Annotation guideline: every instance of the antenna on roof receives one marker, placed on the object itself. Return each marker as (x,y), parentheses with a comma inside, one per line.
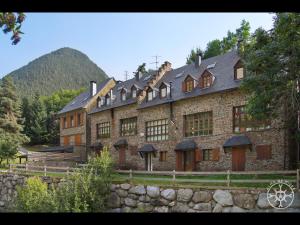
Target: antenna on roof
(156,62)
(126,75)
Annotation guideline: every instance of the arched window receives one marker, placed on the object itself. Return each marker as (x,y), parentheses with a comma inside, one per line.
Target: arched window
(123,95)
(133,92)
(150,95)
(163,90)
(239,71)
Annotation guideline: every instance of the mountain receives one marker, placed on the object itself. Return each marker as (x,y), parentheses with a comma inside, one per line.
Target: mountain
(65,68)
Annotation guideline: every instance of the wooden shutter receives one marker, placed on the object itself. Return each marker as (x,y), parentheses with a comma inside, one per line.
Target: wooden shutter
(179,161)
(198,155)
(183,86)
(81,118)
(76,123)
(215,154)
(62,122)
(66,140)
(264,152)
(78,139)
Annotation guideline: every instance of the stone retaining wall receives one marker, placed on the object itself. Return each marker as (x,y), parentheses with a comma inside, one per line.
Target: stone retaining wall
(138,198)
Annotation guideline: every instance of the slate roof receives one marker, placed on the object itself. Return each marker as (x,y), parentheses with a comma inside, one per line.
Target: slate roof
(186,145)
(120,143)
(117,102)
(81,100)
(147,148)
(237,141)
(223,71)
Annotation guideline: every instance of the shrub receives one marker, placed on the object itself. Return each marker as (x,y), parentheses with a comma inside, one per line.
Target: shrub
(34,196)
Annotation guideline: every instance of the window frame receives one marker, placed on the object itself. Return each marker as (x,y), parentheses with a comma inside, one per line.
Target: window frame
(126,124)
(65,124)
(163,156)
(79,122)
(133,90)
(203,121)
(189,82)
(148,94)
(207,154)
(237,66)
(72,121)
(123,95)
(103,130)
(163,87)
(157,130)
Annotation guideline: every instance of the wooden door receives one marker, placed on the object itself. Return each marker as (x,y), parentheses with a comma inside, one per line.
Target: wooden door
(179,161)
(238,158)
(189,160)
(66,140)
(77,139)
(122,155)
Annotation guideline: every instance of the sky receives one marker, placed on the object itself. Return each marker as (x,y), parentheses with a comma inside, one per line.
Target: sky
(119,42)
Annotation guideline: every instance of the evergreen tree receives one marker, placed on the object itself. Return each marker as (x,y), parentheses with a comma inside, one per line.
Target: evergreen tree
(10,120)
(213,48)
(192,56)
(27,115)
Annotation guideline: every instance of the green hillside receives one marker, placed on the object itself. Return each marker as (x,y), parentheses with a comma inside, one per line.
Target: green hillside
(64,68)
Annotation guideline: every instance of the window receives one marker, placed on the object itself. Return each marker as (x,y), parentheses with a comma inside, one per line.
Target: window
(239,71)
(163,156)
(243,122)
(129,126)
(198,124)
(263,152)
(133,92)
(157,130)
(123,95)
(103,130)
(99,102)
(72,120)
(207,154)
(163,91)
(79,119)
(150,95)
(65,122)
(189,84)
(107,99)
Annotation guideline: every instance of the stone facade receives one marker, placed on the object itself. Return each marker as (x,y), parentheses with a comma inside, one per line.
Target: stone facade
(221,104)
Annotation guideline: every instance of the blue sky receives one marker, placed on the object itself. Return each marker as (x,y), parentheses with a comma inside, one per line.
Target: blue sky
(119,42)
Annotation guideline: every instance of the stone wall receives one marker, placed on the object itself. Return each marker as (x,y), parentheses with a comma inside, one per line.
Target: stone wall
(129,198)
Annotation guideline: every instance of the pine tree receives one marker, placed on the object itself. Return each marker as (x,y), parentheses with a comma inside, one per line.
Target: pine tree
(11,127)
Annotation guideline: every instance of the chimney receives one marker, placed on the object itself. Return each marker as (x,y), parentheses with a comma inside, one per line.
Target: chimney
(138,75)
(93,88)
(198,60)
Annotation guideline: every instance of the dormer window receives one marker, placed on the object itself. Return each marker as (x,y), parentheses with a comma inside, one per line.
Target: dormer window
(239,71)
(150,95)
(99,102)
(123,95)
(107,99)
(188,84)
(206,79)
(133,92)
(163,91)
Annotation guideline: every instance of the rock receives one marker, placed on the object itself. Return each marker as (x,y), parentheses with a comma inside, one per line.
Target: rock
(122,193)
(153,192)
(130,202)
(113,187)
(172,203)
(202,196)
(237,209)
(223,197)
(133,196)
(114,201)
(226,209)
(125,186)
(162,209)
(245,201)
(8,185)
(184,195)
(117,210)
(144,207)
(192,211)
(218,208)
(139,190)
(169,194)
(180,207)
(126,209)
(1,203)
(296,202)
(191,205)
(263,202)
(203,207)
(159,202)
(144,198)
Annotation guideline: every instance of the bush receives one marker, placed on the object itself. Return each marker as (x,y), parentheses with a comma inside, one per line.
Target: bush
(87,190)
(34,196)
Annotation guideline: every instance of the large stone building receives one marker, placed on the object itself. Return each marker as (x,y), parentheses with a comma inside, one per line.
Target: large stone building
(189,118)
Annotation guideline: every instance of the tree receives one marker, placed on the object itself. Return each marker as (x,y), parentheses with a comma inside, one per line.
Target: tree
(142,68)
(192,56)
(213,48)
(273,65)
(11,127)
(12,22)
(26,108)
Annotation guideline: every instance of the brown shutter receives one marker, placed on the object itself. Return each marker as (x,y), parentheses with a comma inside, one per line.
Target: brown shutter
(66,140)
(183,86)
(198,155)
(215,154)
(62,122)
(75,120)
(179,163)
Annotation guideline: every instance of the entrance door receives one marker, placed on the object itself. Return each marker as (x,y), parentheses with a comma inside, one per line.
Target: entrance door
(78,139)
(122,155)
(148,162)
(238,158)
(185,160)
